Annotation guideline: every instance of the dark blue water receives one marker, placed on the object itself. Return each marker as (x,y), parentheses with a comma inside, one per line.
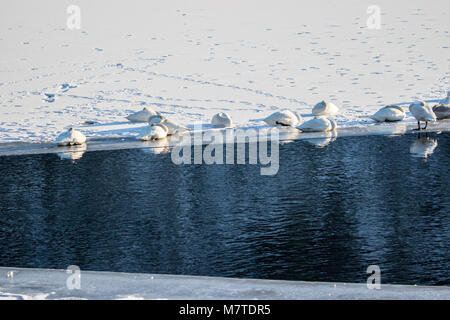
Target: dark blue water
(328,213)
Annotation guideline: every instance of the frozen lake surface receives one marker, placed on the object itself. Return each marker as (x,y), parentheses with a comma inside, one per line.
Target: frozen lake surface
(51,284)
(331,211)
(192,60)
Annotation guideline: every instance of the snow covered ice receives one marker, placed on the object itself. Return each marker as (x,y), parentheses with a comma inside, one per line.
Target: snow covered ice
(32,284)
(190,61)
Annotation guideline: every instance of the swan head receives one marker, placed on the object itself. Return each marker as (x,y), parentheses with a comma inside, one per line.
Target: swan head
(417,104)
(421,103)
(221,120)
(321,104)
(71,129)
(222,116)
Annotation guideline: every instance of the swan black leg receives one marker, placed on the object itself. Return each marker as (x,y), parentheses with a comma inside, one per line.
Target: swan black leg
(426,124)
(418,126)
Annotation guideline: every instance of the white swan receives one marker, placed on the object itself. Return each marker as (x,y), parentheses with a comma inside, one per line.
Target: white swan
(153,132)
(142,116)
(172,126)
(318,124)
(442,111)
(422,112)
(70,138)
(389,113)
(325,108)
(422,147)
(284,118)
(221,120)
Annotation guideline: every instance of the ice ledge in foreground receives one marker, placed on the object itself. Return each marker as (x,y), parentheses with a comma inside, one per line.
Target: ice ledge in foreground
(18,283)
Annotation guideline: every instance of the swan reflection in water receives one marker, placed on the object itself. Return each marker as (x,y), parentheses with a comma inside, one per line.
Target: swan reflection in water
(423,147)
(320,140)
(156,147)
(73,153)
(288,135)
(325,139)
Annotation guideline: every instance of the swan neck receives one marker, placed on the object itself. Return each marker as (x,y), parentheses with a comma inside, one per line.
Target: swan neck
(333,124)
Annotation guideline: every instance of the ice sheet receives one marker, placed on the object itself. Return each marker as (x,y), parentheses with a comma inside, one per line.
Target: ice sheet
(190,60)
(52,284)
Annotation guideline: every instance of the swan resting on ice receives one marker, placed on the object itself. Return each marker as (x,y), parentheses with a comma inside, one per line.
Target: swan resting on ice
(221,120)
(442,111)
(153,132)
(142,116)
(389,113)
(70,138)
(318,124)
(284,118)
(422,112)
(325,108)
(171,126)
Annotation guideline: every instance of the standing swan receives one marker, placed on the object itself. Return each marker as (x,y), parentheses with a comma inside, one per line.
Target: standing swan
(422,112)
(389,114)
(318,125)
(325,108)
(153,132)
(221,120)
(70,138)
(142,116)
(284,118)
